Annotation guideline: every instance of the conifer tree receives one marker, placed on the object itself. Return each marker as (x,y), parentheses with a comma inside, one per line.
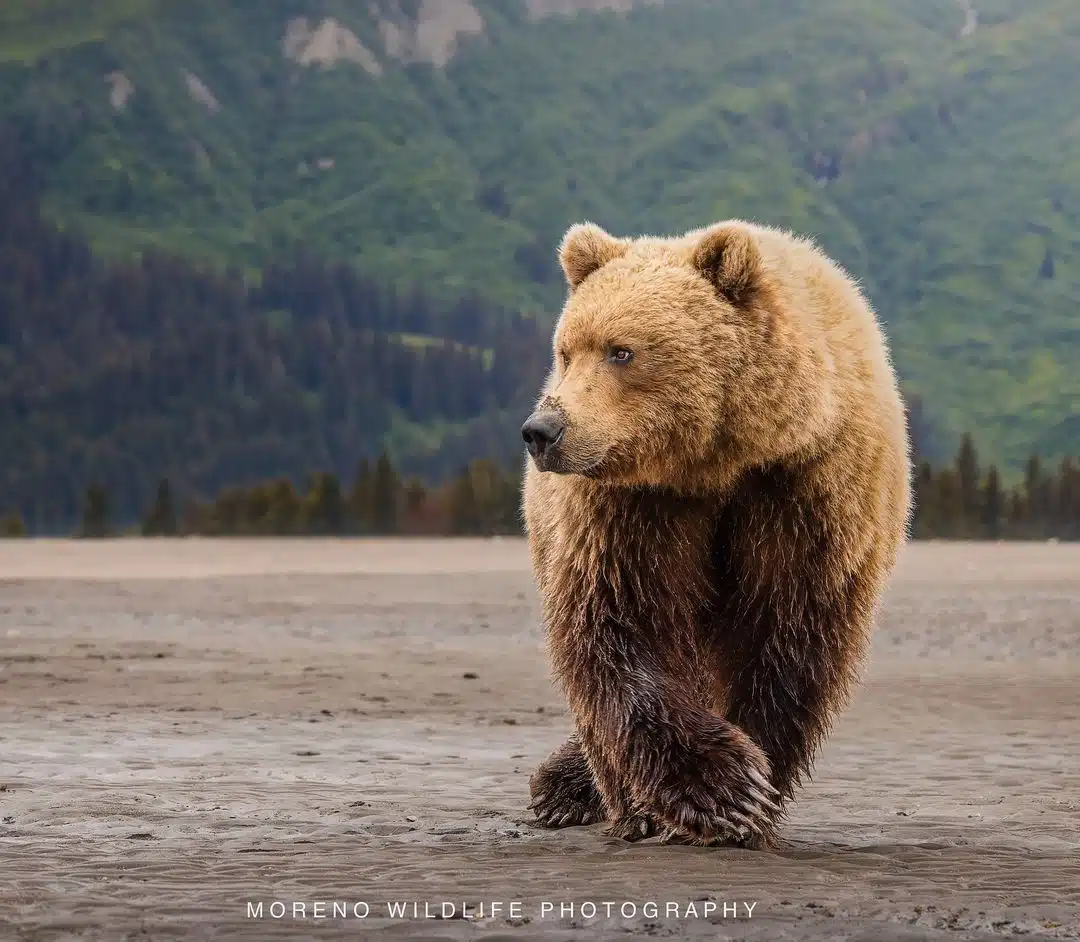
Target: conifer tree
(992,505)
(160,519)
(95,516)
(386,493)
(12,526)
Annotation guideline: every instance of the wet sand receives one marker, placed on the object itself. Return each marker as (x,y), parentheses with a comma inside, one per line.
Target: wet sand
(190,726)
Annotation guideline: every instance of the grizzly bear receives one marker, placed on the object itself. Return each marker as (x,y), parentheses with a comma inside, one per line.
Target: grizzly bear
(716,491)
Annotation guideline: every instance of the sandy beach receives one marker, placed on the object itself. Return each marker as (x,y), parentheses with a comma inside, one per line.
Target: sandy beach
(190,730)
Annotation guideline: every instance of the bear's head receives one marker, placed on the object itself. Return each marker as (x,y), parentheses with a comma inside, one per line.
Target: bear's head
(655,337)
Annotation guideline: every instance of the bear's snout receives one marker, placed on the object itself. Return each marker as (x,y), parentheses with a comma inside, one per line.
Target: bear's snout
(542,432)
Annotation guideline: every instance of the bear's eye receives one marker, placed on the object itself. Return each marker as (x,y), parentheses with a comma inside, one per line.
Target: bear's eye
(564,360)
(620,356)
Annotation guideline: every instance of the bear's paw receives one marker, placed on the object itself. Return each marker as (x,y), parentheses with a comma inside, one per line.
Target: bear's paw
(717,793)
(563,792)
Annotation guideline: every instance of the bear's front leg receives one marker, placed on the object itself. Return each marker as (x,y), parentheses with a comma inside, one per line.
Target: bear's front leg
(695,774)
(707,782)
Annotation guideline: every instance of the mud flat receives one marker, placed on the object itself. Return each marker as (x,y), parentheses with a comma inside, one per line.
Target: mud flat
(189,727)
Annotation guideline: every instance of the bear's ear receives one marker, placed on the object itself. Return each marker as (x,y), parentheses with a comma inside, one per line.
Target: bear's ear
(586,248)
(728,256)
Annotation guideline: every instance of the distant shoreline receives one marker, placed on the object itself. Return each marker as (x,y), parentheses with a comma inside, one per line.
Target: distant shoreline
(121,559)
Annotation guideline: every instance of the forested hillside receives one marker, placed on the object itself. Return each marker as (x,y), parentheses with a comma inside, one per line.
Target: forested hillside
(439,147)
(117,374)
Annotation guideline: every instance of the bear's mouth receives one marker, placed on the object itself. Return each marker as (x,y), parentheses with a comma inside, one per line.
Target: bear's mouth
(552,459)
(557,461)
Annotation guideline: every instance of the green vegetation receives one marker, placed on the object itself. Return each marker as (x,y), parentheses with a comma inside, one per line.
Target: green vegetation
(120,373)
(33,29)
(160,519)
(942,169)
(12,526)
(96,516)
(961,501)
(957,501)
(482,499)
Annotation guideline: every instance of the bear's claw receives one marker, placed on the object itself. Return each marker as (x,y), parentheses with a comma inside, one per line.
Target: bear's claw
(714,798)
(763,782)
(563,792)
(556,812)
(634,827)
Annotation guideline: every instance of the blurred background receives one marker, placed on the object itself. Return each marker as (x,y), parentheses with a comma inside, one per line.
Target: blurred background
(288,266)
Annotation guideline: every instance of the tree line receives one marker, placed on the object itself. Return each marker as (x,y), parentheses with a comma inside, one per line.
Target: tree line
(482,499)
(966,501)
(960,500)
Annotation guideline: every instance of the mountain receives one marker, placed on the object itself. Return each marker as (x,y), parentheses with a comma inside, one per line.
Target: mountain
(933,146)
(116,374)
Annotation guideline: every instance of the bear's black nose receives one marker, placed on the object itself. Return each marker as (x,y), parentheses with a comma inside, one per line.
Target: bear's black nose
(542,430)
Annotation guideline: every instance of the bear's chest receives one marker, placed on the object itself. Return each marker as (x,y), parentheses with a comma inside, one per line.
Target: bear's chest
(633,558)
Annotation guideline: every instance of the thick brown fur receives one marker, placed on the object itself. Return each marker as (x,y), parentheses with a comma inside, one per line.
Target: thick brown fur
(718,524)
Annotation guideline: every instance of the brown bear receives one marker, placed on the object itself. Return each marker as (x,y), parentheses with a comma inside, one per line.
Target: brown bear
(717,492)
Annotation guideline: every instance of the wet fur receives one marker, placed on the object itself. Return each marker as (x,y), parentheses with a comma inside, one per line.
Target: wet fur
(709,592)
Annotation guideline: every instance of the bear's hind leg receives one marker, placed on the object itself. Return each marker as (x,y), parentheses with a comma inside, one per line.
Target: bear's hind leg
(787,693)
(564,793)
